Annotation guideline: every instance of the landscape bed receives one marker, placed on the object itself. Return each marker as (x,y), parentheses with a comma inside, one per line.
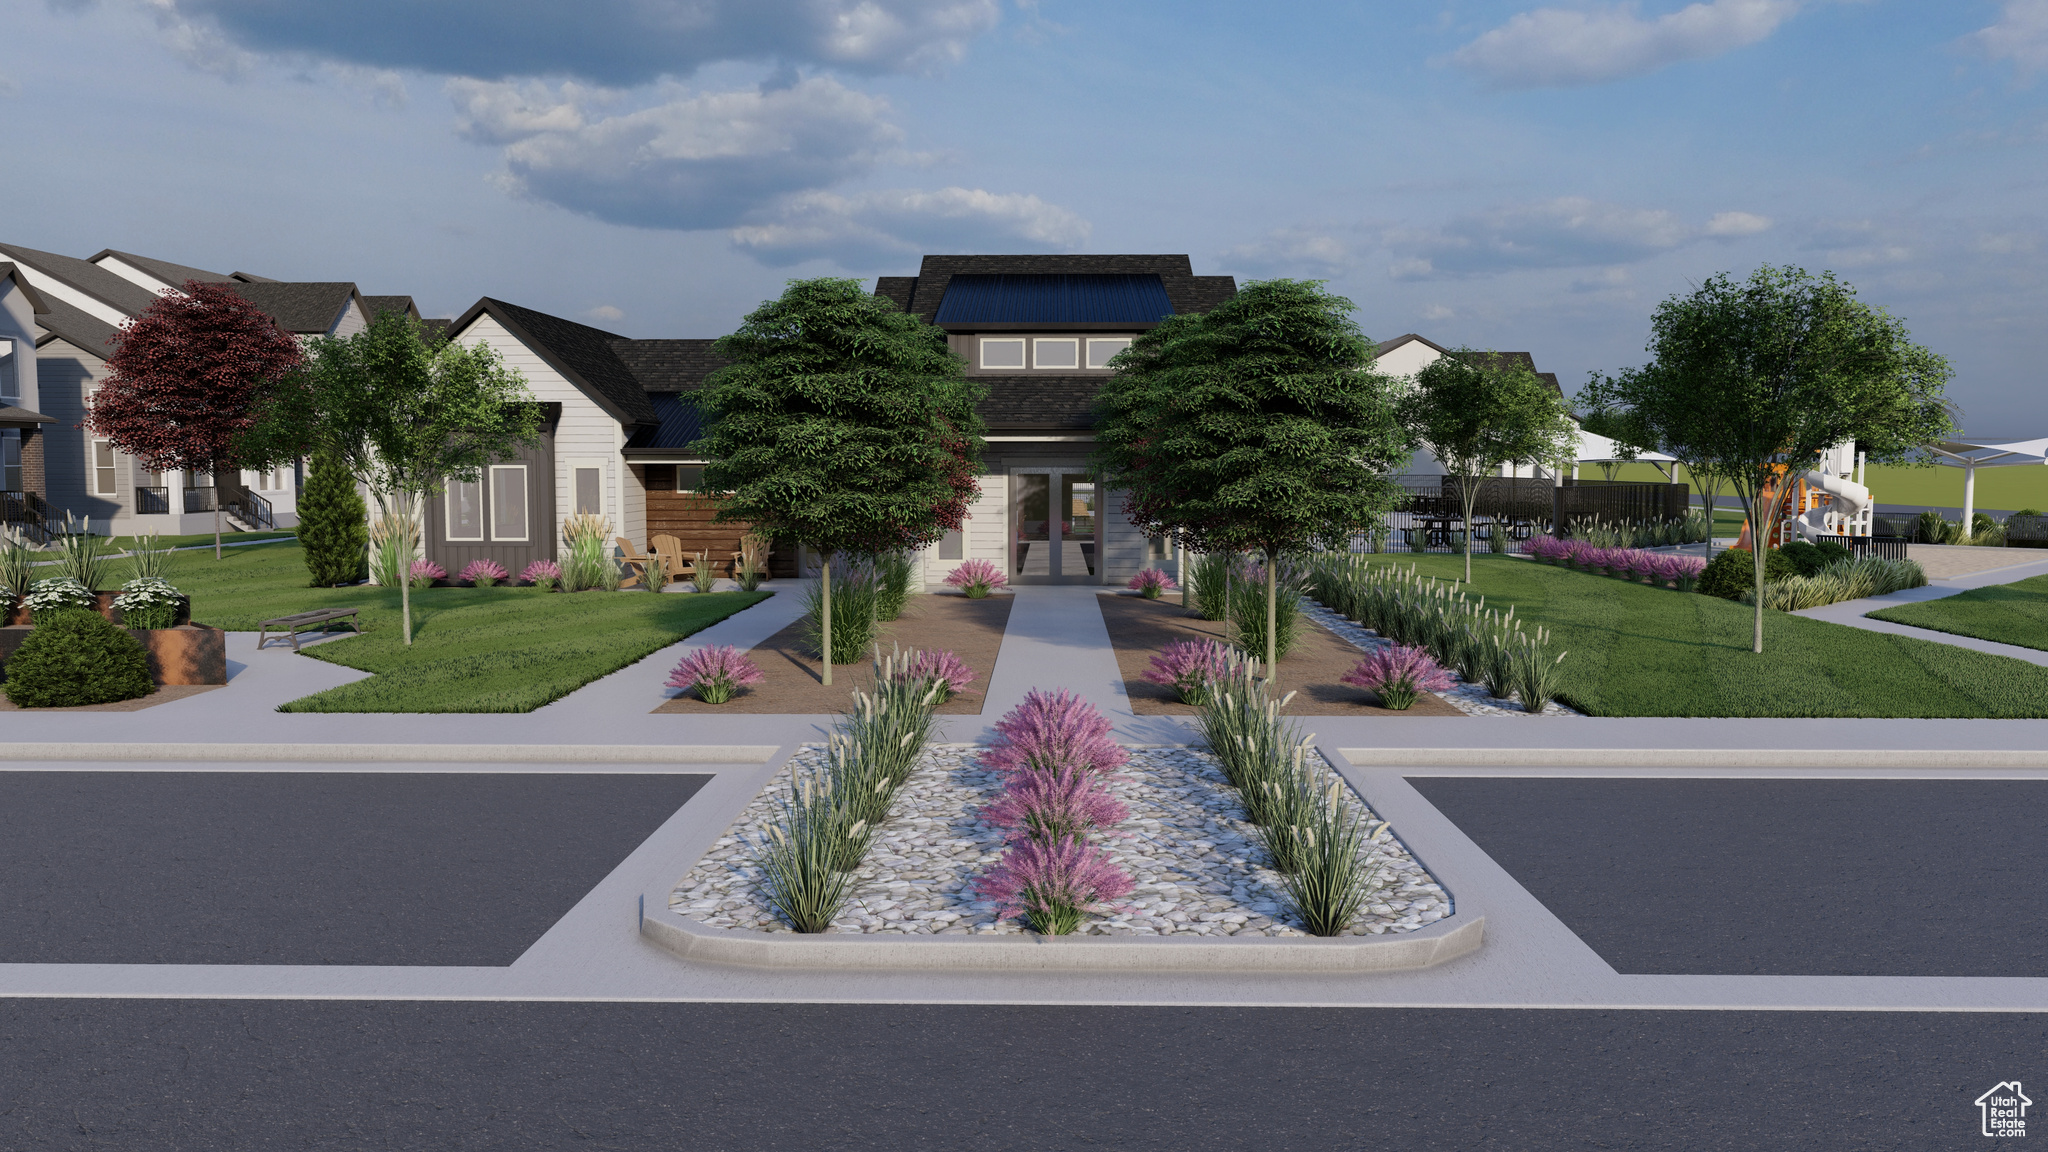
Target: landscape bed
(1196,862)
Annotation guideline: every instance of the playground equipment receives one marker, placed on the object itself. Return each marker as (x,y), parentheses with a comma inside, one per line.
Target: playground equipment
(1830,500)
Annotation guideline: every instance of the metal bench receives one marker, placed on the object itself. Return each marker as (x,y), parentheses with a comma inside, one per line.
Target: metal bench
(292,625)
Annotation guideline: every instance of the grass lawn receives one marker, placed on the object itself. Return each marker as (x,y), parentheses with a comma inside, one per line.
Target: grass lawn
(123,543)
(1641,651)
(1900,484)
(474,649)
(2015,613)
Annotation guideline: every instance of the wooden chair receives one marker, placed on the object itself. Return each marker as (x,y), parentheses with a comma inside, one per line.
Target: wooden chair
(673,557)
(636,564)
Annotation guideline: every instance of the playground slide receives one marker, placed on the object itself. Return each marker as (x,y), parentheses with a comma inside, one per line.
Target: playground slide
(1851,496)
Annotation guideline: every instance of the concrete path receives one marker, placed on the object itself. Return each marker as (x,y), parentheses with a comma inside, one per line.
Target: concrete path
(1855,613)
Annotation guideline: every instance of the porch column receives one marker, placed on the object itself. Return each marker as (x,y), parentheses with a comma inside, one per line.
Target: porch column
(34,476)
(174,492)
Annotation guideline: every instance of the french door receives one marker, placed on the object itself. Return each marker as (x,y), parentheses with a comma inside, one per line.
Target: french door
(1056,527)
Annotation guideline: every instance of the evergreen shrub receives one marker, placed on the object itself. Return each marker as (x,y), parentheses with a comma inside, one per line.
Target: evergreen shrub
(76,658)
(1733,572)
(334,526)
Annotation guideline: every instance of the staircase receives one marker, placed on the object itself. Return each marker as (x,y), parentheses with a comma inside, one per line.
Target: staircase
(25,517)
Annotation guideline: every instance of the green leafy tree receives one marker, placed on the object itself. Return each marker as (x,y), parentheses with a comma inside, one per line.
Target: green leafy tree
(1632,437)
(401,414)
(1626,435)
(1476,411)
(841,425)
(1259,425)
(333,523)
(1757,378)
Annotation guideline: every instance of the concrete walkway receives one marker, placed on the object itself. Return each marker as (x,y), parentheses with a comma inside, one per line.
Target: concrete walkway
(1854,613)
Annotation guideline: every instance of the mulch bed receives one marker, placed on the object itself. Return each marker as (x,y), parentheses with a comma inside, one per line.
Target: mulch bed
(971,629)
(1139,628)
(164,694)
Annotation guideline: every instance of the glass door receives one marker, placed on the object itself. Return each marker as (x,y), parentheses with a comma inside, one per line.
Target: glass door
(1077,525)
(1055,518)
(1032,553)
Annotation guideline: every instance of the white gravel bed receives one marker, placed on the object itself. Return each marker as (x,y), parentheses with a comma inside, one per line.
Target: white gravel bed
(1464,695)
(1195,861)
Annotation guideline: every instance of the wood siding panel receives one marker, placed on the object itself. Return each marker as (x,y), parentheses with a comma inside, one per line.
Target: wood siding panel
(455,555)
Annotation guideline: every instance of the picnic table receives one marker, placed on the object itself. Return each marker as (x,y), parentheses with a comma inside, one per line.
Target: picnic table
(292,625)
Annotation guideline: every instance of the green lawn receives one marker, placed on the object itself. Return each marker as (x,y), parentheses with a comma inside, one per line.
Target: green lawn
(2018,487)
(474,649)
(1641,651)
(2015,613)
(123,543)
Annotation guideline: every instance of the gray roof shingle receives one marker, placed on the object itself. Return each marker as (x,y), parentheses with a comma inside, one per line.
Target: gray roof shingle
(88,332)
(374,306)
(1039,403)
(669,365)
(584,354)
(90,279)
(304,308)
(173,274)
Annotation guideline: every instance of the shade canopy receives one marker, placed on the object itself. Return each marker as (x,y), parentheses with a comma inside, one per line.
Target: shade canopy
(1594,448)
(1979,454)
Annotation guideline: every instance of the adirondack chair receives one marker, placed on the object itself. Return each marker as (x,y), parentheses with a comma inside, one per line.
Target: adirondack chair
(635,562)
(674,558)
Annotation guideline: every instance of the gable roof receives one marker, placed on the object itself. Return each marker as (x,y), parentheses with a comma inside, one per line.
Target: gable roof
(90,279)
(669,365)
(309,308)
(173,274)
(374,306)
(87,332)
(1187,291)
(36,302)
(1482,359)
(584,356)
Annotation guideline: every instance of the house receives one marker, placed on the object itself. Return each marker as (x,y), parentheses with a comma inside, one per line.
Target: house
(1404,356)
(22,427)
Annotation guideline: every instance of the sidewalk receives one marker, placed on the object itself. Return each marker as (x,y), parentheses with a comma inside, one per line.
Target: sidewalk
(1854,612)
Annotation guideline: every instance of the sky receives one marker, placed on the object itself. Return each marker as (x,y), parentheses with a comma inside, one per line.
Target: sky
(1495,174)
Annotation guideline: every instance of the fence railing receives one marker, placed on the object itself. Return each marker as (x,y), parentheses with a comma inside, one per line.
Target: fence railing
(27,516)
(152,500)
(199,499)
(253,510)
(1883,547)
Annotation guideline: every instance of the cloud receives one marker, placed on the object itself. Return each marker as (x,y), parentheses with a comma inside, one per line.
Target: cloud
(694,160)
(877,228)
(1566,47)
(618,43)
(1732,224)
(1308,250)
(1860,243)
(605,314)
(199,42)
(2021,36)
(1563,233)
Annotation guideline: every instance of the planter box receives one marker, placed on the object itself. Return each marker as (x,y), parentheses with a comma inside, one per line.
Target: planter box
(18,616)
(183,655)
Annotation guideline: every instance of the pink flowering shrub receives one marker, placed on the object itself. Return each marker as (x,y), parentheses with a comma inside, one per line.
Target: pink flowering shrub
(944,669)
(715,673)
(1546,548)
(1049,732)
(1398,675)
(425,572)
(484,573)
(977,578)
(1054,883)
(1189,667)
(1047,806)
(543,574)
(1687,572)
(1632,564)
(1151,582)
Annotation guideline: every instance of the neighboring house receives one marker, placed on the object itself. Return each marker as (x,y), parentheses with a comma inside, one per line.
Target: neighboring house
(22,428)
(1404,356)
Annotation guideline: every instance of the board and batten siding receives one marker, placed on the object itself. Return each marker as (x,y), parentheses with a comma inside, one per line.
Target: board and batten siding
(68,376)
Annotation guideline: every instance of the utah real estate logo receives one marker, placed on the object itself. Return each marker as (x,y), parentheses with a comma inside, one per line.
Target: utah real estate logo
(2004,1110)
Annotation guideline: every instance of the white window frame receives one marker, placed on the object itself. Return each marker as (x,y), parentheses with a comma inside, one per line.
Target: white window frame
(111,468)
(1023,353)
(604,484)
(682,491)
(1126,341)
(491,504)
(1073,342)
(10,370)
(448,513)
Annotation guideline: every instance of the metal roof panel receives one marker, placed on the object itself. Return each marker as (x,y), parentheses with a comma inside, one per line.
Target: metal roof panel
(1096,298)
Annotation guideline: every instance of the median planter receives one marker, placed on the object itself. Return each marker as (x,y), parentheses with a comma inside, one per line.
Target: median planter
(18,616)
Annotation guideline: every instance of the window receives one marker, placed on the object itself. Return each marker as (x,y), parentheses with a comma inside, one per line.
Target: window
(1062,353)
(1099,351)
(586,481)
(10,460)
(951,546)
(1002,353)
(465,510)
(689,477)
(508,502)
(10,386)
(103,468)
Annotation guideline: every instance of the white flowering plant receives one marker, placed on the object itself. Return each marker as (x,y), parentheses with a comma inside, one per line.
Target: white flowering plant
(58,594)
(148,602)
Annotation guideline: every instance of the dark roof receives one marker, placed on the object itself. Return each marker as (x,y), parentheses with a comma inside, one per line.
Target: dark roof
(1039,403)
(374,306)
(310,307)
(582,354)
(36,303)
(1386,346)
(1116,297)
(172,274)
(678,426)
(897,288)
(1187,291)
(90,279)
(252,278)
(669,365)
(437,327)
(88,332)
(13,416)
(1498,360)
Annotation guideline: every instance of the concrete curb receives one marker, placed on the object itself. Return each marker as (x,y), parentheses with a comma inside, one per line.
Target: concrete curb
(399,753)
(1447,939)
(1526,757)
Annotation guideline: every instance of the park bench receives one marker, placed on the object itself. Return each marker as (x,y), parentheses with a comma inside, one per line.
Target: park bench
(292,625)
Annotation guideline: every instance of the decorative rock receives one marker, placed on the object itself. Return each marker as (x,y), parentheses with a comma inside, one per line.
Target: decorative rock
(1467,697)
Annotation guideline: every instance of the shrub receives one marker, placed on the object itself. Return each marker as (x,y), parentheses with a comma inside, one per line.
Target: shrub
(1049,806)
(17,568)
(943,670)
(753,566)
(1851,579)
(977,578)
(587,538)
(1210,578)
(853,616)
(333,529)
(543,574)
(1151,583)
(1248,611)
(715,673)
(76,658)
(56,596)
(147,603)
(1733,572)
(1811,558)
(484,573)
(893,573)
(1398,675)
(1048,732)
(1054,884)
(394,540)
(425,572)
(1189,667)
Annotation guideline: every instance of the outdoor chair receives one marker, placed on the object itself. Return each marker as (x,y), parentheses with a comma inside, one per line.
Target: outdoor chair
(673,557)
(635,562)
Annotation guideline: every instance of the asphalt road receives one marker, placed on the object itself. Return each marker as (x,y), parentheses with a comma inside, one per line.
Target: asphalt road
(92,1074)
(1776,877)
(429,868)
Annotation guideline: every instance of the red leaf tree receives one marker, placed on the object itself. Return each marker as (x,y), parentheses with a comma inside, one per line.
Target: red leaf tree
(186,379)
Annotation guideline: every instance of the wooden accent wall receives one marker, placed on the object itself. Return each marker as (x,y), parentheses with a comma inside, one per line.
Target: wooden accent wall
(688,517)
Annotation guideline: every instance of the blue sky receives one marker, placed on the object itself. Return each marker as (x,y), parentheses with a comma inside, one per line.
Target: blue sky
(1508,175)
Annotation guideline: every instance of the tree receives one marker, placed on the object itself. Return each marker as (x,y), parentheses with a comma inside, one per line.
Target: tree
(1476,411)
(1632,437)
(333,526)
(1625,434)
(1756,379)
(1259,425)
(401,414)
(843,425)
(186,380)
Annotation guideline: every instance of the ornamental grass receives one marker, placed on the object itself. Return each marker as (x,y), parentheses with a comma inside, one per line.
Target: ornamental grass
(944,670)
(1049,806)
(854,601)
(586,537)
(1399,675)
(1189,667)
(424,572)
(1839,581)
(1054,884)
(1049,731)
(545,575)
(484,573)
(715,674)
(1151,583)
(977,578)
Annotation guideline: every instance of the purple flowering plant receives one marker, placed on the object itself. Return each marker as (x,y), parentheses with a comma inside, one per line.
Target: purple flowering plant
(1189,667)
(1054,883)
(715,673)
(946,671)
(484,573)
(977,578)
(1151,583)
(1054,730)
(1398,675)
(543,574)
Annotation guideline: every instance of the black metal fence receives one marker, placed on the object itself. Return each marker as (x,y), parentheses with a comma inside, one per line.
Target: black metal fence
(152,500)
(1882,547)
(1508,510)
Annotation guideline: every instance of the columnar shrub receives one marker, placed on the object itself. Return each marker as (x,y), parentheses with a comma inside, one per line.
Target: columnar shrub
(74,658)
(334,532)
(715,673)
(545,575)
(1151,583)
(147,603)
(977,578)
(1398,675)
(484,573)
(1189,667)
